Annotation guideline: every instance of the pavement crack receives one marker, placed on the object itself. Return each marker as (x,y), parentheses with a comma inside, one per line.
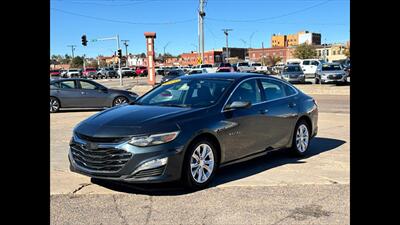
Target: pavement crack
(150,210)
(119,212)
(80,187)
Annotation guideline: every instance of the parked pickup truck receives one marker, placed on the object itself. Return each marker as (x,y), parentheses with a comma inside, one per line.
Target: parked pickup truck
(258,68)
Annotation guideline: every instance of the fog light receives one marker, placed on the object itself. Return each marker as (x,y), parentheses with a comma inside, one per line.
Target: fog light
(152,164)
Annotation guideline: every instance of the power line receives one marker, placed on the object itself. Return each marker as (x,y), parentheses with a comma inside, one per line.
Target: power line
(273,17)
(102,4)
(122,21)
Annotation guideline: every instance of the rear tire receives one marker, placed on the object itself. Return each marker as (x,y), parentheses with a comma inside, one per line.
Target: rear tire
(200,164)
(301,138)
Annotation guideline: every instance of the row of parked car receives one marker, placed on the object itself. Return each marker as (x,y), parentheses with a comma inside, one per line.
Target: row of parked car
(100,73)
(313,71)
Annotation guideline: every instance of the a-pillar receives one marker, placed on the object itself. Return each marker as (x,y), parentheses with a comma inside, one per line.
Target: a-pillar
(151,76)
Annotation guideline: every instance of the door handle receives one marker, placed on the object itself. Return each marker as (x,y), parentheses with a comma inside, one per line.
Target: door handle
(263,111)
(83,92)
(292,104)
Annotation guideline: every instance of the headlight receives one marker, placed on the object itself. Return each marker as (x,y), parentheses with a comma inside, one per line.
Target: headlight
(133,95)
(155,139)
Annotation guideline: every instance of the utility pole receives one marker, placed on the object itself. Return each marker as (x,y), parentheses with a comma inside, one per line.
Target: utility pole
(165,46)
(126,50)
(226,32)
(263,56)
(119,63)
(202,14)
(72,48)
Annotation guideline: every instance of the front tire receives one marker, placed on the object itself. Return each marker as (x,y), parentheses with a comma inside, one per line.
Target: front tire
(200,164)
(54,105)
(301,138)
(120,100)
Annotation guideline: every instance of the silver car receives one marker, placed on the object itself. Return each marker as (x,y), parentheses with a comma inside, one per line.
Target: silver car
(83,93)
(293,74)
(330,73)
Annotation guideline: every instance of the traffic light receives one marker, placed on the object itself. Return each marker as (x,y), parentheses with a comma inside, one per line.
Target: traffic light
(120,53)
(84,41)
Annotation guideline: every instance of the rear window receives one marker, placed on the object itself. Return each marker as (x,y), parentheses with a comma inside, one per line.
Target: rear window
(225,65)
(292,69)
(223,70)
(306,62)
(243,64)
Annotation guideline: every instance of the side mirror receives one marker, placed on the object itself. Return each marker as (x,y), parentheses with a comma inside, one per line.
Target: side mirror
(238,105)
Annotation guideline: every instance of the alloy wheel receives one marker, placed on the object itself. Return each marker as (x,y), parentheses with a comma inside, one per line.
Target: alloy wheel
(54,105)
(302,138)
(120,100)
(202,163)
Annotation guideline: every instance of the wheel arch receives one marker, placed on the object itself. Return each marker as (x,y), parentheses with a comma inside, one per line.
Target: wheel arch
(208,135)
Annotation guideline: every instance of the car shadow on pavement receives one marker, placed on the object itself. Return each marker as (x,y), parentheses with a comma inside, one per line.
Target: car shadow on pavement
(229,173)
(79,110)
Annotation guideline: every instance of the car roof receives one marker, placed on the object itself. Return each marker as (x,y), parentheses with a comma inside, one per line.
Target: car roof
(67,79)
(228,75)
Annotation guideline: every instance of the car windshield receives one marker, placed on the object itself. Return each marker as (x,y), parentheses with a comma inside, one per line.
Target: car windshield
(90,69)
(331,67)
(73,70)
(256,64)
(292,69)
(206,66)
(186,93)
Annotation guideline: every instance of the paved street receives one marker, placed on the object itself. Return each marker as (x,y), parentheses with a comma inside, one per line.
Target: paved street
(274,189)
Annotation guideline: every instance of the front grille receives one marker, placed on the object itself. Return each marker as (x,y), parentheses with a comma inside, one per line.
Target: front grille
(150,172)
(102,159)
(335,76)
(100,139)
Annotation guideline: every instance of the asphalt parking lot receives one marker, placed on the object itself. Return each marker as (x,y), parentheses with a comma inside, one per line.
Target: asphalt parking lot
(274,189)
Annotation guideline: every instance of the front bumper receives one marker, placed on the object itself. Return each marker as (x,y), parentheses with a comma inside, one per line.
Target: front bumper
(297,79)
(139,155)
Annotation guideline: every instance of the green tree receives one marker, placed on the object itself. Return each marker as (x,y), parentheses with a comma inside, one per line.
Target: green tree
(305,51)
(142,55)
(347,52)
(272,60)
(77,62)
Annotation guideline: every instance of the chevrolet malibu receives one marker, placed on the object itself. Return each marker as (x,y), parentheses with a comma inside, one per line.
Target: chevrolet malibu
(187,128)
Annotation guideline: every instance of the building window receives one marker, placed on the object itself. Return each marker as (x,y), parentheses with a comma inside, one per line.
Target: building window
(327,52)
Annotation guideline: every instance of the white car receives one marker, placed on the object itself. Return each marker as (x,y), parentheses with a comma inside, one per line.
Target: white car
(73,73)
(244,67)
(309,67)
(196,71)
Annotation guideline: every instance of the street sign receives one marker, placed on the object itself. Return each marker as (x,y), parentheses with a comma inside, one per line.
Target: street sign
(199,61)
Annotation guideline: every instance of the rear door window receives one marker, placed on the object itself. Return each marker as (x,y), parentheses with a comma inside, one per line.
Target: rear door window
(273,89)
(68,84)
(306,62)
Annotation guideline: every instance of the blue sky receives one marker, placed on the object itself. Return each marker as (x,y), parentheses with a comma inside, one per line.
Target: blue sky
(175,22)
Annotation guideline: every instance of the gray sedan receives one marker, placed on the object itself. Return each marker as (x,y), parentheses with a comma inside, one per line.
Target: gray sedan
(293,74)
(330,73)
(82,93)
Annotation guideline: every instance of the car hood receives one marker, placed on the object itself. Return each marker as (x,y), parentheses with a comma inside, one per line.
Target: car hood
(128,120)
(332,72)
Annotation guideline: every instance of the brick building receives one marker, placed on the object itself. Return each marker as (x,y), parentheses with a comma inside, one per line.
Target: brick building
(295,39)
(256,54)
(210,57)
